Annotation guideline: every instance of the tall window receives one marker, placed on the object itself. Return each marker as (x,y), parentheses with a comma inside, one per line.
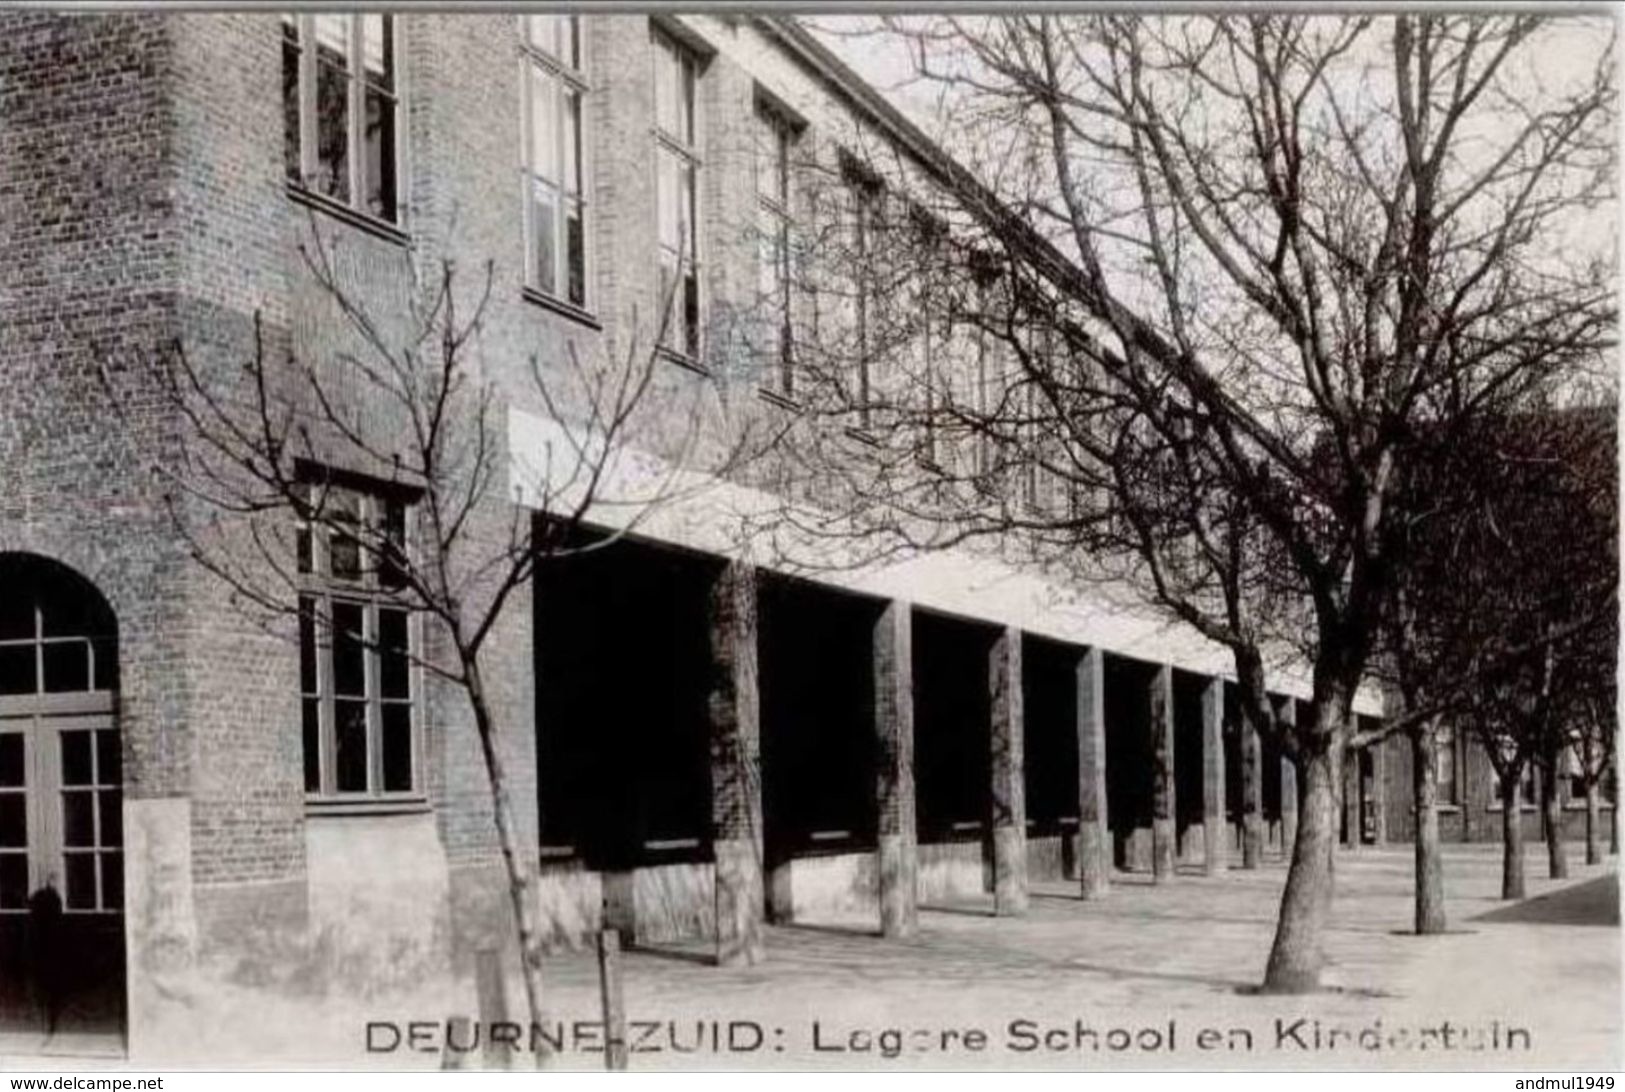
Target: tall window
(774,139)
(355,647)
(341,106)
(1528,792)
(866,197)
(676,175)
(1445,748)
(555,203)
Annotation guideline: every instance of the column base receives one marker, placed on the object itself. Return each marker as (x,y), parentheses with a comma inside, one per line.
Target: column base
(1009,872)
(1094,861)
(781,903)
(897,860)
(1162,849)
(738,903)
(1215,854)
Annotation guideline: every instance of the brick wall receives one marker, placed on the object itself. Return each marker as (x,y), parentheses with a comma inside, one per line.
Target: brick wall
(1475,814)
(87,279)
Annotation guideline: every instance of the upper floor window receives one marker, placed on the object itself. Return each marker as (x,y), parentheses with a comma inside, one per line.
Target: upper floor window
(866,198)
(555,202)
(356,646)
(341,106)
(676,181)
(774,139)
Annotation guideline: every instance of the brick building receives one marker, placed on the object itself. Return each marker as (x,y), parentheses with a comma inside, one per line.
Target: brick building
(213,799)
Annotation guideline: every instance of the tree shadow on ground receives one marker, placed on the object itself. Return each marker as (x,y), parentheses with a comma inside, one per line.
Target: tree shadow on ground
(1595,902)
(964,911)
(1124,974)
(1253,989)
(680,955)
(830,930)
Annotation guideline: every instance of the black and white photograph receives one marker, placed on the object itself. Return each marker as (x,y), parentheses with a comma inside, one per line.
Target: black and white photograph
(879,538)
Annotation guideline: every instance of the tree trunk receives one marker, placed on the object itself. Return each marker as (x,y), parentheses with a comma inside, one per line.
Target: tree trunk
(1297,955)
(1512,886)
(1557,862)
(1429,865)
(1335,755)
(521,880)
(1593,823)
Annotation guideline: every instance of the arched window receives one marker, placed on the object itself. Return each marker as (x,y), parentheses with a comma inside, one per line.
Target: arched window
(57,634)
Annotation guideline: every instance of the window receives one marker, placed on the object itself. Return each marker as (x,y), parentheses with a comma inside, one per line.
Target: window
(983,397)
(865,210)
(774,139)
(676,179)
(341,106)
(1576,765)
(1445,748)
(356,644)
(1527,781)
(554,203)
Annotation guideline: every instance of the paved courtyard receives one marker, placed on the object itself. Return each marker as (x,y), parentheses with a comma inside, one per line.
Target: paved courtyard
(1153,977)
(1150,969)
(1147,971)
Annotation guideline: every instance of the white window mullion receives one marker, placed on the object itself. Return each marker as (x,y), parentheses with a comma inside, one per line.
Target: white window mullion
(561,264)
(307,98)
(326,730)
(397,102)
(527,73)
(414,688)
(355,95)
(375,718)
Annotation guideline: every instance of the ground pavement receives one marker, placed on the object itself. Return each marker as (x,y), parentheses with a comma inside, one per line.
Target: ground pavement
(1150,977)
(1160,976)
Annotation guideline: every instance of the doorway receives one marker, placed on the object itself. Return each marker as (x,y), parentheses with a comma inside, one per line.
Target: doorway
(62,959)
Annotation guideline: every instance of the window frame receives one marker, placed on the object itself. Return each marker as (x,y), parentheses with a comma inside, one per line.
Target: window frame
(355,205)
(866,198)
(679,342)
(322,590)
(540,62)
(775,223)
(1446,743)
(1529,785)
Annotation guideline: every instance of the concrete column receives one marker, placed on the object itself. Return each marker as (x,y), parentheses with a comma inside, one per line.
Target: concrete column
(1214,826)
(1094,853)
(898,853)
(1160,723)
(1008,793)
(1252,795)
(1286,713)
(736,767)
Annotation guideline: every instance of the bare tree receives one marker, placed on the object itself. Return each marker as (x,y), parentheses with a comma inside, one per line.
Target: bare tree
(273,449)
(1594,749)
(1507,579)
(1178,321)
